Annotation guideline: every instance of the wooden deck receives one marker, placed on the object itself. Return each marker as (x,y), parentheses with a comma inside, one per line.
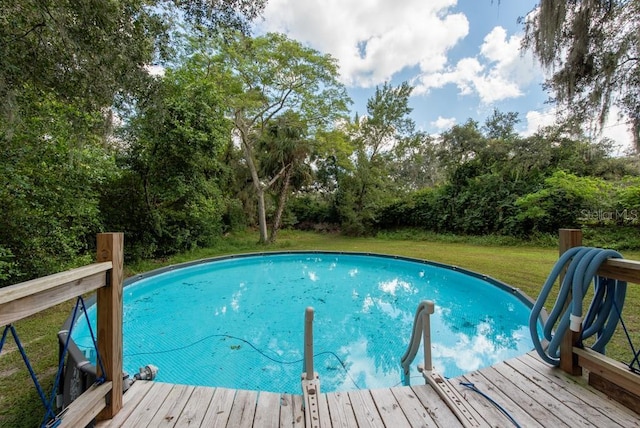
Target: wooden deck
(533,393)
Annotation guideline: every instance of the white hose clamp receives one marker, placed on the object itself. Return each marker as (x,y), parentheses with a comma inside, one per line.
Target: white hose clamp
(575,323)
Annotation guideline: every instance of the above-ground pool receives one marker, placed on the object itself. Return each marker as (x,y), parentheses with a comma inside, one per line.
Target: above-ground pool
(238,322)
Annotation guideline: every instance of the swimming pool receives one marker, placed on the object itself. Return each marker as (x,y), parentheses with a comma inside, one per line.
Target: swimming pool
(237,322)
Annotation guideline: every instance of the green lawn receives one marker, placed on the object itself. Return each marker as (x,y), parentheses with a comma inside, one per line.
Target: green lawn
(523,266)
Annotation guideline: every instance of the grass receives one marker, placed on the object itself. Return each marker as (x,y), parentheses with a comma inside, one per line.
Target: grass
(524,265)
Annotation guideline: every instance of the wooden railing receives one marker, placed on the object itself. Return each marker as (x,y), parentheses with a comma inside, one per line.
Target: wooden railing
(106,277)
(605,374)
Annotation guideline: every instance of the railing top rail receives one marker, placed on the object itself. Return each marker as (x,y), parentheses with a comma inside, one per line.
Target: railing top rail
(39,285)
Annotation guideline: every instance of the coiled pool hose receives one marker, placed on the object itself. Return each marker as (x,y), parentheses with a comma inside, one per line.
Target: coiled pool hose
(602,315)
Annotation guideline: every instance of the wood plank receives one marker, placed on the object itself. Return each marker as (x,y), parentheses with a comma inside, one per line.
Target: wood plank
(540,412)
(219,409)
(176,400)
(323,411)
(243,409)
(291,414)
(621,269)
(196,408)
(610,369)
(388,408)
(562,394)
(442,415)
(618,413)
(267,410)
(488,410)
(364,409)
(412,408)
(614,391)
(85,408)
(15,310)
(130,401)
(57,280)
(340,410)
(534,392)
(149,405)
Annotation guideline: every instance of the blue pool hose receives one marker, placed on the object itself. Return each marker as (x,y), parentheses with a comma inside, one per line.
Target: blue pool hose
(604,310)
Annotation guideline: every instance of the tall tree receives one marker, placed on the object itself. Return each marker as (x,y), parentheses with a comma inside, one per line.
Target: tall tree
(374,136)
(266,77)
(592,48)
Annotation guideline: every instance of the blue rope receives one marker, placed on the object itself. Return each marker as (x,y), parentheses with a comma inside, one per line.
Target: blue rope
(492,401)
(100,380)
(601,318)
(14,333)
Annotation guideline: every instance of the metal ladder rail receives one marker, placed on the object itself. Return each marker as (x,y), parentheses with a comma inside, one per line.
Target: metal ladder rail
(468,416)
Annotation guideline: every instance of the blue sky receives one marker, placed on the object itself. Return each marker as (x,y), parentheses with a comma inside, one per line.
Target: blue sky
(461,56)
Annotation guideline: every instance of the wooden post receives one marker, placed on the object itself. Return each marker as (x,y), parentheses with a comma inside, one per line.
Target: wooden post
(110,247)
(569,238)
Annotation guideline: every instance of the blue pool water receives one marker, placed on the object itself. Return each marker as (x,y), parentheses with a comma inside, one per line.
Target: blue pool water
(239,322)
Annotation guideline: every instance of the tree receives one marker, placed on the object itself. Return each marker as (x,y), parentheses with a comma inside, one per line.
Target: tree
(266,77)
(173,168)
(364,190)
(592,48)
(285,147)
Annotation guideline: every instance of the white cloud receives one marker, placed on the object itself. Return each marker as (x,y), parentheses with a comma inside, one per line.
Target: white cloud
(442,123)
(498,72)
(615,128)
(372,39)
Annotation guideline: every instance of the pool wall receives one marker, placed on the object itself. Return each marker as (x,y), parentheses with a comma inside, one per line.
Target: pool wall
(79,374)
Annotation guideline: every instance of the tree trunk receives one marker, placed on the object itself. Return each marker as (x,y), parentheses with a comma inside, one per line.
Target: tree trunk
(262,215)
(282,200)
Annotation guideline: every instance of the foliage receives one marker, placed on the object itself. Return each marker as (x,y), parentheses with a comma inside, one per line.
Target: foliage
(50,190)
(173,167)
(364,189)
(561,202)
(592,49)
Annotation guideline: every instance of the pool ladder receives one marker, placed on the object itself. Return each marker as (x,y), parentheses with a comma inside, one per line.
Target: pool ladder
(422,332)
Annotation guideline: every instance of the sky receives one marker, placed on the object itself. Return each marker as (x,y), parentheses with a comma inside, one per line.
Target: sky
(462,57)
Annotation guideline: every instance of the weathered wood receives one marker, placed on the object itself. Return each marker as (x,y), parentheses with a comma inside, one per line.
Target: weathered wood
(452,397)
(174,404)
(412,408)
(266,416)
(323,411)
(616,393)
(569,238)
(243,409)
(489,411)
(110,247)
(621,269)
(340,410)
(388,408)
(84,408)
(149,405)
(195,409)
(561,394)
(364,409)
(291,414)
(610,369)
(523,395)
(437,409)
(130,402)
(39,285)
(44,296)
(578,386)
(532,391)
(220,408)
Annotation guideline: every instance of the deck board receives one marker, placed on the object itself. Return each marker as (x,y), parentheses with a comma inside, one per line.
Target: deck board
(533,393)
